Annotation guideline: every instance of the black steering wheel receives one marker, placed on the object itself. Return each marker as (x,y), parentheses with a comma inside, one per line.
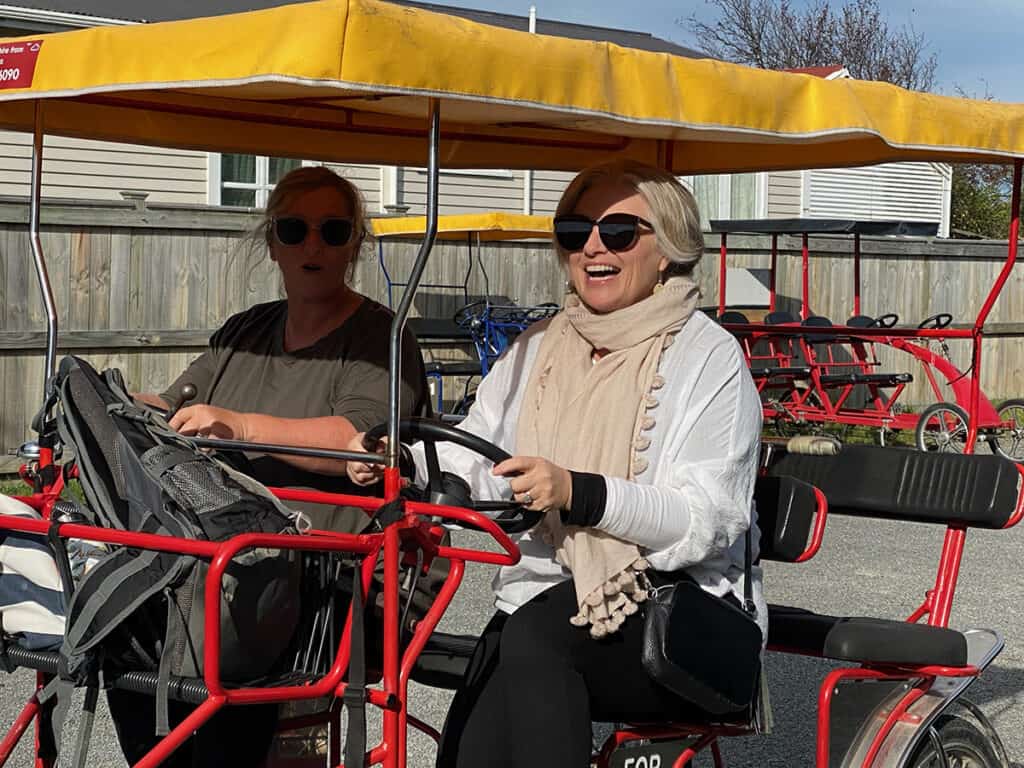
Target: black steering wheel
(937,321)
(447,488)
(888,320)
(470,315)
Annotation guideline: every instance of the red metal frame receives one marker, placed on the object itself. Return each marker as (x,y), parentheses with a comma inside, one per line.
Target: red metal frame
(417,531)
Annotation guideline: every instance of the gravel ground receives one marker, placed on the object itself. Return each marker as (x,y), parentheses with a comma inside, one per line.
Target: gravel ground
(865,568)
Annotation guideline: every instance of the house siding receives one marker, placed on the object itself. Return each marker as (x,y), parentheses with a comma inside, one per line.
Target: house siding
(366,178)
(784,193)
(463,192)
(907,191)
(548,187)
(97,170)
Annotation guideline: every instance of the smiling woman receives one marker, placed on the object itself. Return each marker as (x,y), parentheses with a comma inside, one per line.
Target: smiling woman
(634,424)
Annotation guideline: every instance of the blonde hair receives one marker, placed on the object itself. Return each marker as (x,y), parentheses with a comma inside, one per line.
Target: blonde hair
(674,213)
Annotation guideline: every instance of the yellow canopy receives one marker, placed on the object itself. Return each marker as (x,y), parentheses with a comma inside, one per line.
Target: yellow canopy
(350,80)
(490,226)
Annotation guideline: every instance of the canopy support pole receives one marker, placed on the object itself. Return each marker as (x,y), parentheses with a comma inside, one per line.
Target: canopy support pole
(856,274)
(722,272)
(398,324)
(804,278)
(35,196)
(979,323)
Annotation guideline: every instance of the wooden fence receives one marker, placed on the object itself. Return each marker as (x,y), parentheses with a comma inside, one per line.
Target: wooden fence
(141,288)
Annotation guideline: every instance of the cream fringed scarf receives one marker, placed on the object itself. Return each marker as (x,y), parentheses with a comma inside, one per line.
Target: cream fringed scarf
(591,417)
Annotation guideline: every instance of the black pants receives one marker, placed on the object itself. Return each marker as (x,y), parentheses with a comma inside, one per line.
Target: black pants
(536,682)
(235,736)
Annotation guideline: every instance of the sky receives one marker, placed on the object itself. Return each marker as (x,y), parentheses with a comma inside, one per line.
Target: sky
(975,41)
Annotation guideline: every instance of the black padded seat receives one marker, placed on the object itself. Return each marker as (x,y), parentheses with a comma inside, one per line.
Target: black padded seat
(944,488)
(467,368)
(775,318)
(818,321)
(796,372)
(866,640)
(855,377)
(443,661)
(787,509)
(436,328)
(732,316)
(861,321)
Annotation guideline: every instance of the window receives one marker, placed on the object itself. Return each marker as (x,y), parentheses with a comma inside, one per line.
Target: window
(246,180)
(725,196)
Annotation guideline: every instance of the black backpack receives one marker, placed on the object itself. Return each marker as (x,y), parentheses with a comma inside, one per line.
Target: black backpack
(144,610)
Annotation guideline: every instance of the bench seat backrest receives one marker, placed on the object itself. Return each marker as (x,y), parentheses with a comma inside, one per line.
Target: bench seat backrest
(944,488)
(787,510)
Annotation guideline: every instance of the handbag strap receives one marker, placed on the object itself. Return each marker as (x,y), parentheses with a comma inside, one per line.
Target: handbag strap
(748,588)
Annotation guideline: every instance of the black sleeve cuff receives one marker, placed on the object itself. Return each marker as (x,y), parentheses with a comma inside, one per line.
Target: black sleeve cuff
(589,495)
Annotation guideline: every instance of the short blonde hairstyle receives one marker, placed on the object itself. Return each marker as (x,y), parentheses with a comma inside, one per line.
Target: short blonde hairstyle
(674,213)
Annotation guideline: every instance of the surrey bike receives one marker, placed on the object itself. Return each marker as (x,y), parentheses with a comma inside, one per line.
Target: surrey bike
(364,81)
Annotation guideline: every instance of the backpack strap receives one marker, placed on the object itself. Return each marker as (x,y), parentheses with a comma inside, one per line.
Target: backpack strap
(175,640)
(85,723)
(55,700)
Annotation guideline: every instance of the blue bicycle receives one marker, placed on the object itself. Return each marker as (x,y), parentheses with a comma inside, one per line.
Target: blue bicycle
(492,328)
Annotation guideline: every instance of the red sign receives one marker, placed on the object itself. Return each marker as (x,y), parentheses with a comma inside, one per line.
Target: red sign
(18,63)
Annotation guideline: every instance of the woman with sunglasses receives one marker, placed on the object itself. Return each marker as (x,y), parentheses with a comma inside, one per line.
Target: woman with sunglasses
(308,370)
(634,424)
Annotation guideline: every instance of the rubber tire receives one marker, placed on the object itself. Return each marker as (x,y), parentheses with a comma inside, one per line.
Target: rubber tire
(993,441)
(965,744)
(921,431)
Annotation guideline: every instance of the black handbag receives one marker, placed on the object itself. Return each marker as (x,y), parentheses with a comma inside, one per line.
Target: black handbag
(703,648)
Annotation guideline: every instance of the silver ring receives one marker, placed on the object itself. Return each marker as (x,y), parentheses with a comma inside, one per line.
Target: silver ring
(527,499)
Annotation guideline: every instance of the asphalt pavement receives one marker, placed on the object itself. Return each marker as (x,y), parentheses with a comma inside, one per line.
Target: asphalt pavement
(865,568)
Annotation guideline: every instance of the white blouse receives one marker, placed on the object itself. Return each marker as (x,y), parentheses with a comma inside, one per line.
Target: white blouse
(688,509)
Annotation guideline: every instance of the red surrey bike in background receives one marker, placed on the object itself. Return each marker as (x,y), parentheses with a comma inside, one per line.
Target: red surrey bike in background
(813,372)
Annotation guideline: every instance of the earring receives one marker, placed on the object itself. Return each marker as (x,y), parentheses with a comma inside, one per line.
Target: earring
(660,284)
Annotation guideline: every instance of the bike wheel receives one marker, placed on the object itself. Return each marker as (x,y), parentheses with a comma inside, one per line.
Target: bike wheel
(1009,442)
(942,428)
(965,745)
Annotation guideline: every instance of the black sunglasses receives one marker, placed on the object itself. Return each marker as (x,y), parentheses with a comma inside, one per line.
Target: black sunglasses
(292,230)
(618,231)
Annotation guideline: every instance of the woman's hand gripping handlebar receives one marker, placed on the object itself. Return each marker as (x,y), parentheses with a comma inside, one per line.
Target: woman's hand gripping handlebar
(444,488)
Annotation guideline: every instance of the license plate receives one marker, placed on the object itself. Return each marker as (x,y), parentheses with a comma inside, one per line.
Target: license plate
(649,754)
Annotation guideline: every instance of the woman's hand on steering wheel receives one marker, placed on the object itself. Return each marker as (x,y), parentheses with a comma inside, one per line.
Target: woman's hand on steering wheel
(444,487)
(536,483)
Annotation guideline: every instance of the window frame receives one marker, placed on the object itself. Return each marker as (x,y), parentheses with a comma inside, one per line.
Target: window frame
(262,186)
